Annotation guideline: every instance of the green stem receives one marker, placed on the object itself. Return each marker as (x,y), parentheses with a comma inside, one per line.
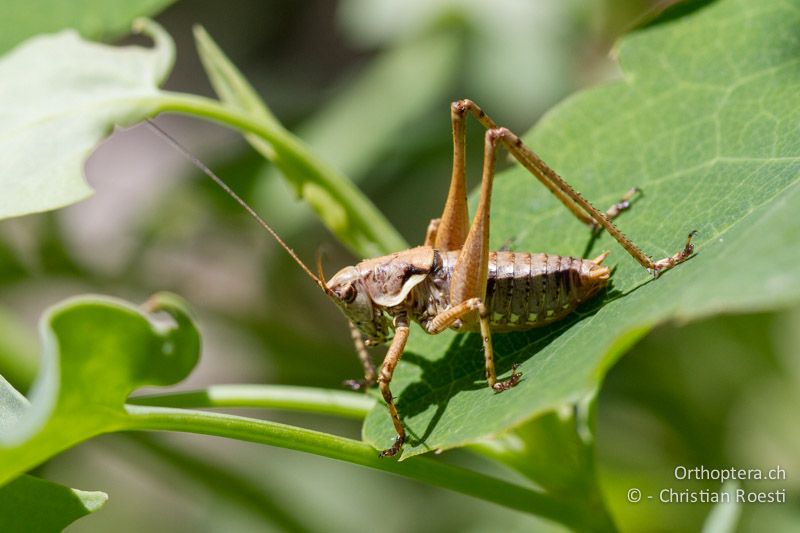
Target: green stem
(341,205)
(422,469)
(331,402)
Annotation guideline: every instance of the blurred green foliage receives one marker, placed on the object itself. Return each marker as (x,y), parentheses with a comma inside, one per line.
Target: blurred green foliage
(720,392)
(96,19)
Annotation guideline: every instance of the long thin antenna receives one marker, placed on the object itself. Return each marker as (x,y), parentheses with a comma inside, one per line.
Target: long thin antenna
(210,173)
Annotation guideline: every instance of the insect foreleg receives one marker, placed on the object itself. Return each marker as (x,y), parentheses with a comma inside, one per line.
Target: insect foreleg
(387,371)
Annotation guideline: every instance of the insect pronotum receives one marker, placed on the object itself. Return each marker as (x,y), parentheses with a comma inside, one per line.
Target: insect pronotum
(453,280)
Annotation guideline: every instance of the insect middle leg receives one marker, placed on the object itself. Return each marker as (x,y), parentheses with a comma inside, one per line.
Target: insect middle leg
(446,319)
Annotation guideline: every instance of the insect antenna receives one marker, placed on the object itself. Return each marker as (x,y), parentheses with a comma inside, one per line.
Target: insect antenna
(210,173)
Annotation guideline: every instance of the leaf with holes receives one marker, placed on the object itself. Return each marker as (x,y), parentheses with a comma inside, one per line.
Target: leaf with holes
(706,121)
(96,351)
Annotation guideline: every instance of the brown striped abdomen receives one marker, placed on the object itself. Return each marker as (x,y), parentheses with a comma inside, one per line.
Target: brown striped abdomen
(526,290)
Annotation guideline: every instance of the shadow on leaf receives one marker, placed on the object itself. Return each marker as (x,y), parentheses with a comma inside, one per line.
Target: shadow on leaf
(438,384)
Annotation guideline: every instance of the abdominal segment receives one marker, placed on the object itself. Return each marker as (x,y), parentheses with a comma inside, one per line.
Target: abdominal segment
(526,290)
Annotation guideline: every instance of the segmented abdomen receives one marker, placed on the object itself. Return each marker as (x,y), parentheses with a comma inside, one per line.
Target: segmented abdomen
(527,290)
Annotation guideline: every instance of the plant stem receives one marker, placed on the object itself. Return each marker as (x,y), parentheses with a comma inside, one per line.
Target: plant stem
(331,402)
(341,205)
(426,470)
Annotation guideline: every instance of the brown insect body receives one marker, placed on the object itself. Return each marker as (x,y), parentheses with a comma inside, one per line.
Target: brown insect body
(524,290)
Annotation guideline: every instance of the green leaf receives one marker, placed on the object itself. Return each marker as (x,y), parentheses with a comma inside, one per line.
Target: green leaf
(556,451)
(33,504)
(705,122)
(98,19)
(96,351)
(61,96)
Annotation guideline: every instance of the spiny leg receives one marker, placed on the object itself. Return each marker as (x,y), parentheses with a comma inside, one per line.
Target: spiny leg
(612,212)
(572,199)
(387,371)
(450,230)
(366,362)
(444,320)
(462,107)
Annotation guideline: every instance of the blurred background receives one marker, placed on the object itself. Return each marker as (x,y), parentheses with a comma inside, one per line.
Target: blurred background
(367,83)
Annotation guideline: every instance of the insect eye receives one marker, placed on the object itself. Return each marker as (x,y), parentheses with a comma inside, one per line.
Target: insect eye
(349,294)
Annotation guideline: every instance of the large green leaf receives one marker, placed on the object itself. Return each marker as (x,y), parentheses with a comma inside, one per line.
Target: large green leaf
(706,121)
(99,19)
(96,351)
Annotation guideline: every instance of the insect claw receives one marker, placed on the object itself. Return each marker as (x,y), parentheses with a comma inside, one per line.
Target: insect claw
(680,257)
(501,386)
(391,452)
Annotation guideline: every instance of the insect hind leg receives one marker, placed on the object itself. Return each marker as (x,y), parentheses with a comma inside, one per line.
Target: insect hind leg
(576,203)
